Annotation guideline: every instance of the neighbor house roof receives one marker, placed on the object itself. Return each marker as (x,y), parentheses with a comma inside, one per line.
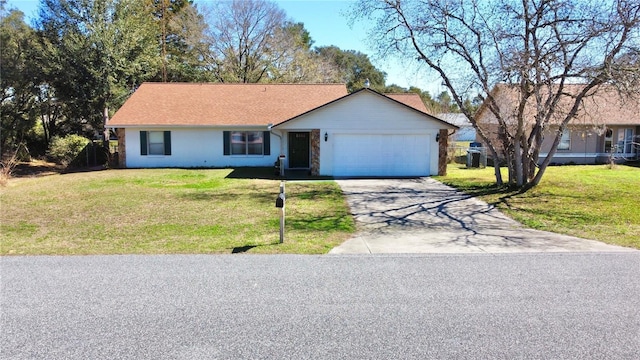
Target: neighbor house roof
(457,119)
(606,107)
(191,104)
(411,99)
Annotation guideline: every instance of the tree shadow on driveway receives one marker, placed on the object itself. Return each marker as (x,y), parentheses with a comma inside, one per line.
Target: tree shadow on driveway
(424,215)
(420,203)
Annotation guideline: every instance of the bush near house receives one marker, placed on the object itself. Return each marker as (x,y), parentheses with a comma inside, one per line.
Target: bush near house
(66,150)
(588,201)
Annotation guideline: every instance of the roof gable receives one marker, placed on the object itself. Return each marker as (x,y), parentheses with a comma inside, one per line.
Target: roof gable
(189,104)
(383,96)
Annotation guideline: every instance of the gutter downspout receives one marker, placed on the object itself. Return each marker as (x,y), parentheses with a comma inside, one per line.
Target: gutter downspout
(280,158)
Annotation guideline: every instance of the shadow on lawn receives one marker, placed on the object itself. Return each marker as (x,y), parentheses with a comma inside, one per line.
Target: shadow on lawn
(244,249)
(633,163)
(480,190)
(268,173)
(488,189)
(257,197)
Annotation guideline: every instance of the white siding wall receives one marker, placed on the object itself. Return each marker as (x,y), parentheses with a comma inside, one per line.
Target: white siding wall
(365,113)
(195,147)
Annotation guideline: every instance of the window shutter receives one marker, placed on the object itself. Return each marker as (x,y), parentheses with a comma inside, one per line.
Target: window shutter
(226,140)
(143,143)
(266,138)
(167,142)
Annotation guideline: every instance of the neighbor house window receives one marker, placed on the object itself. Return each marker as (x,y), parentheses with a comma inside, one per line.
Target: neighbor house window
(246,142)
(155,142)
(625,140)
(565,140)
(608,140)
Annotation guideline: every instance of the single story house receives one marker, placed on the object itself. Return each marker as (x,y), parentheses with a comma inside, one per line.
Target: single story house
(606,126)
(316,127)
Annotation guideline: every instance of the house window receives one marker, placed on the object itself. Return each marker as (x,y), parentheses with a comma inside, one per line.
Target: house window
(247,142)
(565,140)
(625,141)
(155,142)
(608,140)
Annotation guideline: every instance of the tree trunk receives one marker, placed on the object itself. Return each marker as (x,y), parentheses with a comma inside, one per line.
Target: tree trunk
(443,146)
(536,179)
(105,134)
(518,163)
(496,167)
(163,35)
(46,129)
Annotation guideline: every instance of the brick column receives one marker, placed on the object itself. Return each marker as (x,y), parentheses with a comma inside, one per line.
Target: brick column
(443,145)
(122,153)
(315,152)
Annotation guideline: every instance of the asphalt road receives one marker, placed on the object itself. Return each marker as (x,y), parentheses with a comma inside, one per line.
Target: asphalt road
(498,306)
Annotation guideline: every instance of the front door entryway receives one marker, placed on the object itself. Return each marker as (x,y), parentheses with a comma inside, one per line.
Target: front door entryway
(298,150)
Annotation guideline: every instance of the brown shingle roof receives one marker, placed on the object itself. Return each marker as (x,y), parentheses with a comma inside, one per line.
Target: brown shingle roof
(412,100)
(188,104)
(604,108)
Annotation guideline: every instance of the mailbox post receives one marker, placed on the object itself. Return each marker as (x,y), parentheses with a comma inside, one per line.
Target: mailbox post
(280,202)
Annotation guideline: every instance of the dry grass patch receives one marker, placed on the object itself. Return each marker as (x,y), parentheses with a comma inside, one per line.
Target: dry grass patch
(162,211)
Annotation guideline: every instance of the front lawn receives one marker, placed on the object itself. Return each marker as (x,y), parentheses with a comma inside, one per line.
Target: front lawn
(167,211)
(591,201)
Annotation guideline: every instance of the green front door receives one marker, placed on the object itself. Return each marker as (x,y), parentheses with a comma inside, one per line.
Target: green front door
(298,150)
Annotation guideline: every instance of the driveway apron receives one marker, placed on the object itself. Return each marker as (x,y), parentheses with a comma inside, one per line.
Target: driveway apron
(425,216)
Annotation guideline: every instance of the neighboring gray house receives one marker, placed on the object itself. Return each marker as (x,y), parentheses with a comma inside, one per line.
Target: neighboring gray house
(466,133)
(605,128)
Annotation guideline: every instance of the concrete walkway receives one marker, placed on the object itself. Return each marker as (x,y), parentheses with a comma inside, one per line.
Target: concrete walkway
(425,216)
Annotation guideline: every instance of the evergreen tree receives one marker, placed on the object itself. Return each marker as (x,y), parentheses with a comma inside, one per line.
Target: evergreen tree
(99,51)
(18,80)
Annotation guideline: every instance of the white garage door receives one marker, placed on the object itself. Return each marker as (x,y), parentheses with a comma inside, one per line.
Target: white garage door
(380,155)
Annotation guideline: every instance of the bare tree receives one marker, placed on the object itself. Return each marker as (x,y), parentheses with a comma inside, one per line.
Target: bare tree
(292,58)
(539,49)
(242,37)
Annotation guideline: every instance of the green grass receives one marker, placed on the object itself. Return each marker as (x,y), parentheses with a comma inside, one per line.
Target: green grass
(592,201)
(167,211)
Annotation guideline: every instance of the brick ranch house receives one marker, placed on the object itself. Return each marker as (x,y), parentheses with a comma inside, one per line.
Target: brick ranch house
(606,126)
(315,127)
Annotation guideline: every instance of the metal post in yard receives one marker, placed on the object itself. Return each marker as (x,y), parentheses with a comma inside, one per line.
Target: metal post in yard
(282,212)
(281,160)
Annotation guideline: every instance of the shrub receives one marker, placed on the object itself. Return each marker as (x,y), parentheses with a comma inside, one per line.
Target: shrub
(10,161)
(6,167)
(66,150)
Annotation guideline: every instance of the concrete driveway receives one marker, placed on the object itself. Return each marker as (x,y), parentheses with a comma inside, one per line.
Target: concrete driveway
(425,216)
